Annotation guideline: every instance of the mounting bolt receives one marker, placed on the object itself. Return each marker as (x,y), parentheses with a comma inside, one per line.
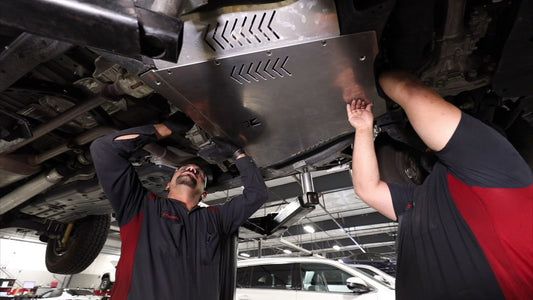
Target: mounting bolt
(377,130)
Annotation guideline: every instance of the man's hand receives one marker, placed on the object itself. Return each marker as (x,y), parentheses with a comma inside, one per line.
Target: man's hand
(178,123)
(360,114)
(218,151)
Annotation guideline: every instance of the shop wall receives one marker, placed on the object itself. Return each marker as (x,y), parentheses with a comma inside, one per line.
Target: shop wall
(25,261)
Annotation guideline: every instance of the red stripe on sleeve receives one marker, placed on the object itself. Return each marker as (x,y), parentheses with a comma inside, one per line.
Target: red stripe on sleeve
(502,221)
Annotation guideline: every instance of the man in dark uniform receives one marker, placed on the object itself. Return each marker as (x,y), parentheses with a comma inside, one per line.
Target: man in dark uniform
(170,246)
(467,231)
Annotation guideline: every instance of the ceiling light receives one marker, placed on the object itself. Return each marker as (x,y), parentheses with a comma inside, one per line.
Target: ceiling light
(287,251)
(336,247)
(309,228)
(244,254)
(338,168)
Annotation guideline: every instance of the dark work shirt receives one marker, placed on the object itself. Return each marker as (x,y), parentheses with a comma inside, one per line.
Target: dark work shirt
(467,231)
(167,251)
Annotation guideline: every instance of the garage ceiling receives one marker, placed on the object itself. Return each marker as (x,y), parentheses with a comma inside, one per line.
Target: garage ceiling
(341,219)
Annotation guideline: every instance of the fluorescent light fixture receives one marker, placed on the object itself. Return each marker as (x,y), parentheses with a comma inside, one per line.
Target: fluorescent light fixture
(287,251)
(336,247)
(309,228)
(244,254)
(338,168)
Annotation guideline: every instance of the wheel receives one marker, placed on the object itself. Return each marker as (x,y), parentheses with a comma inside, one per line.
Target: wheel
(106,283)
(83,246)
(399,165)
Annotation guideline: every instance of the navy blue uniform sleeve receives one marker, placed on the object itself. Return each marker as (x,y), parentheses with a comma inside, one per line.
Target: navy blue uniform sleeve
(480,156)
(402,197)
(115,173)
(237,210)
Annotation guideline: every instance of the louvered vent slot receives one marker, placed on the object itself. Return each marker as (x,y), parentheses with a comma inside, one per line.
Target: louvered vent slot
(261,70)
(239,32)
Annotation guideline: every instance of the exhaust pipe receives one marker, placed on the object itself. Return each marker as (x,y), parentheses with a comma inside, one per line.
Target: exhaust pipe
(46,180)
(109,91)
(17,167)
(82,139)
(29,190)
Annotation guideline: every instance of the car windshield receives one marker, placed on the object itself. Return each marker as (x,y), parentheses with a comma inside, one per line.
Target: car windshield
(367,271)
(375,275)
(53,293)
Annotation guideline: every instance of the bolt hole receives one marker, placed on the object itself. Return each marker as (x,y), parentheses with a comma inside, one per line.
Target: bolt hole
(362,58)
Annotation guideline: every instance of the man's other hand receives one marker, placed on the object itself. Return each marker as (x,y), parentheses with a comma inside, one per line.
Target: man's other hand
(360,114)
(218,151)
(178,123)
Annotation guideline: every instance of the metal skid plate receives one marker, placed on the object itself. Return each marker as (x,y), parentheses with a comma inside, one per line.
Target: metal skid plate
(270,77)
(278,103)
(241,29)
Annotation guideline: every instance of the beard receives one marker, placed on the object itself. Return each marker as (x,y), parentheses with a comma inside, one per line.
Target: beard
(187,180)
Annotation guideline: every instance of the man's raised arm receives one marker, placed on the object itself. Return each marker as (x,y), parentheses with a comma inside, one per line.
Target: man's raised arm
(236,211)
(366,179)
(116,175)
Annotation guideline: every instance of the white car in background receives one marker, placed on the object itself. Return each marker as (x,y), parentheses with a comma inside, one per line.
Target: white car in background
(309,278)
(376,274)
(69,294)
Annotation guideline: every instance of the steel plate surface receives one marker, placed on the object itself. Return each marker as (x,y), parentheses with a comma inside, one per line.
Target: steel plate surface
(278,103)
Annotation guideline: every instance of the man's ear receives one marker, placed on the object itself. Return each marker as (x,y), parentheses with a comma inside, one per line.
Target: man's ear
(167,188)
(202,197)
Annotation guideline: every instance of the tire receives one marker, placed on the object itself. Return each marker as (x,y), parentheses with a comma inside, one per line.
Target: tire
(106,283)
(399,166)
(83,246)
